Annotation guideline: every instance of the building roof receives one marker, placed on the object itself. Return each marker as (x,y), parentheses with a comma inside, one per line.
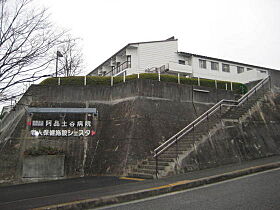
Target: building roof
(223,60)
(135,43)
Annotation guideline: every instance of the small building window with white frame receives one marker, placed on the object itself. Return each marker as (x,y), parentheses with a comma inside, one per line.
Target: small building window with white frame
(215,66)
(240,69)
(202,64)
(182,62)
(225,67)
(249,69)
(128,58)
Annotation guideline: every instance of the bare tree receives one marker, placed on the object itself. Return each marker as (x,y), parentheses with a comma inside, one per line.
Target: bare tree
(28,42)
(71,61)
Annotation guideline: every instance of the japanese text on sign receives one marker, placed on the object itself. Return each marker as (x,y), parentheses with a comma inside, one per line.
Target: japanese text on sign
(61,128)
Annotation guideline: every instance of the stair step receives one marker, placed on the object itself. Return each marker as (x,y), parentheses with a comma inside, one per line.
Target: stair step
(152,167)
(162,159)
(174,152)
(188,141)
(191,138)
(145,171)
(140,175)
(160,163)
(179,149)
(169,155)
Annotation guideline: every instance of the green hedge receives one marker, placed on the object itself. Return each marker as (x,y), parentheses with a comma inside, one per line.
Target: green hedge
(96,80)
(33,151)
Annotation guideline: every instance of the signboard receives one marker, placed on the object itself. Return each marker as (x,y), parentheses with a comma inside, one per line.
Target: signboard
(66,124)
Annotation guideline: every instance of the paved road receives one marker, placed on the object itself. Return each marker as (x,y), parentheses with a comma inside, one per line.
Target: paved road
(26,196)
(257,191)
(63,191)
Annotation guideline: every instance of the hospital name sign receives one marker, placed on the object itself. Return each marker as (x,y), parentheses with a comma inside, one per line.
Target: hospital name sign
(61,128)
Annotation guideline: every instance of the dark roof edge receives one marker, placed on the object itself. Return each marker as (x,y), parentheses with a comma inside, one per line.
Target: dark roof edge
(166,40)
(223,60)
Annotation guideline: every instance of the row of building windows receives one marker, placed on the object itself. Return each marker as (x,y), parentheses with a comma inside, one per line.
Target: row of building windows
(225,67)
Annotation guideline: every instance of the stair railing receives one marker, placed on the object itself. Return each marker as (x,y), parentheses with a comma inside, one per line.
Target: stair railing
(205,116)
(119,68)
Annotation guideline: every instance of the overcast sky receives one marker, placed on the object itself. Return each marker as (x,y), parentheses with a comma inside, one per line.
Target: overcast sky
(240,30)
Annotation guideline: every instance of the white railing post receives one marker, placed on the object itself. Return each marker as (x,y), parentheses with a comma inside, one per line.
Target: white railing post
(85,81)
(216,85)
(226,85)
(231,88)
(138,76)
(124,76)
(198,81)
(178,78)
(112,80)
(158,75)
(58,81)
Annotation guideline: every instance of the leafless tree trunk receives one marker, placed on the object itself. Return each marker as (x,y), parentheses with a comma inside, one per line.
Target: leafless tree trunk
(71,63)
(28,42)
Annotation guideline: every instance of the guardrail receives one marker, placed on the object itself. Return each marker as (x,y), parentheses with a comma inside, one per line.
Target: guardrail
(205,116)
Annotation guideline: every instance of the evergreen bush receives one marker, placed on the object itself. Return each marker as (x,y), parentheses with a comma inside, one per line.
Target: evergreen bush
(96,80)
(33,151)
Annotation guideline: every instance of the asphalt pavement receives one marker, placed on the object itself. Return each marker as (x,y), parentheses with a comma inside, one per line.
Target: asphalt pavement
(259,191)
(69,191)
(31,195)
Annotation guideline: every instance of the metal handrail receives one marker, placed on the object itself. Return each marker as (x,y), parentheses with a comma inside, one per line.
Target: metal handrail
(175,138)
(122,66)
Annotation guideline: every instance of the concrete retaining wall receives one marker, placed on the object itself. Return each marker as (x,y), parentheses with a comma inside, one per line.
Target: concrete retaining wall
(43,166)
(134,118)
(255,137)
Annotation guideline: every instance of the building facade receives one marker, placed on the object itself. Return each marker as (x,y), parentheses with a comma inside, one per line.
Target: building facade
(163,56)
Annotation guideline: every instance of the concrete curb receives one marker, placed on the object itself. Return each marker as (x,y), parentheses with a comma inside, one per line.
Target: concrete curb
(172,187)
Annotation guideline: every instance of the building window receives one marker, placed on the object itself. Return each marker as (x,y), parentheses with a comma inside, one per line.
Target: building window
(263,71)
(215,66)
(225,67)
(182,62)
(202,64)
(249,69)
(240,69)
(128,63)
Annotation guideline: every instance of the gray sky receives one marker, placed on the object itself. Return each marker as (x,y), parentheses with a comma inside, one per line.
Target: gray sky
(241,30)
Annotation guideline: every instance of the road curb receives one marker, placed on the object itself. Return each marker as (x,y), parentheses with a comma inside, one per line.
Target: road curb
(172,187)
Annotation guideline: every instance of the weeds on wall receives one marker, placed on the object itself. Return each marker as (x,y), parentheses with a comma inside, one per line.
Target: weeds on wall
(34,151)
(96,80)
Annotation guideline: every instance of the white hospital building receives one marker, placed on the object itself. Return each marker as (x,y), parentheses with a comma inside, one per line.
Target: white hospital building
(163,56)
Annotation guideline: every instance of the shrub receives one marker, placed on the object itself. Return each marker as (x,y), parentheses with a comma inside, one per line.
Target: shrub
(96,80)
(33,151)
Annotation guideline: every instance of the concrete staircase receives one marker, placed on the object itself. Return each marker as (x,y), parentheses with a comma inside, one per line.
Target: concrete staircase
(169,160)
